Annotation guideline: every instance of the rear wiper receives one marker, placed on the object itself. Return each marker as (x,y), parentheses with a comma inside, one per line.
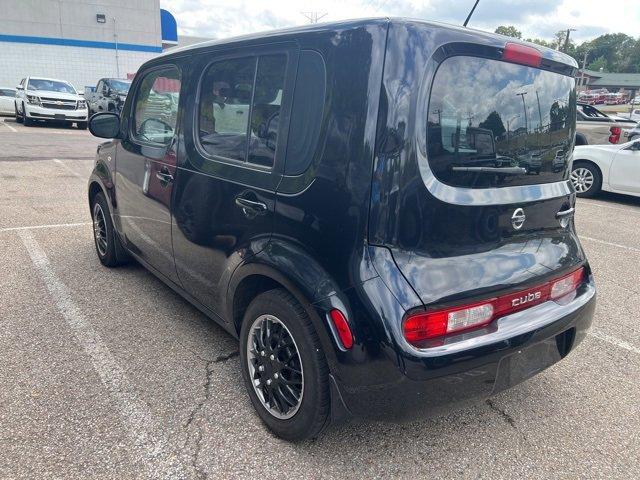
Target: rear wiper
(502,170)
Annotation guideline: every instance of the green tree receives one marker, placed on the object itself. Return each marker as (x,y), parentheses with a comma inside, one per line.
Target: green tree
(509,31)
(597,64)
(494,123)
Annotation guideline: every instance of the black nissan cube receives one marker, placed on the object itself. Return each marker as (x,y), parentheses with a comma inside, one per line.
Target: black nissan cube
(374,208)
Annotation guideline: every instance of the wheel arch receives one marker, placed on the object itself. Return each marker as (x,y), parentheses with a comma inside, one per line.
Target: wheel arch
(264,271)
(581,139)
(589,161)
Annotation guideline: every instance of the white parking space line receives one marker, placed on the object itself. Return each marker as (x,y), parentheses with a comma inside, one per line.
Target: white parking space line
(596,333)
(37,227)
(69,169)
(145,431)
(9,126)
(611,244)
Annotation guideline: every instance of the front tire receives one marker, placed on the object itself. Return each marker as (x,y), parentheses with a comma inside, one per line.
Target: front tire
(586,179)
(108,247)
(18,116)
(283,366)
(81,125)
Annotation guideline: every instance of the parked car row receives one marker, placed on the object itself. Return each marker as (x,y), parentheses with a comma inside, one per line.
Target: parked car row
(47,99)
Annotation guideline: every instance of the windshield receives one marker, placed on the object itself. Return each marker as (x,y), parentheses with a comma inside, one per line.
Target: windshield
(493,124)
(120,86)
(50,86)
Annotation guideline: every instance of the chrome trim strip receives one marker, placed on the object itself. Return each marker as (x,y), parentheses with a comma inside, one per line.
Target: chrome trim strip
(489,196)
(510,326)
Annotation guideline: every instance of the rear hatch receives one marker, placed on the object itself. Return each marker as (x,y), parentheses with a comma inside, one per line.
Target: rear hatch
(489,210)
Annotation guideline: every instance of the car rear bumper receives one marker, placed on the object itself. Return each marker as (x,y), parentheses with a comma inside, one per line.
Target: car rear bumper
(475,366)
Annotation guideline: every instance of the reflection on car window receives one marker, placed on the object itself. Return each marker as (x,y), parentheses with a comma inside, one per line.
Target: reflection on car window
(494,123)
(230,125)
(156,106)
(265,112)
(50,86)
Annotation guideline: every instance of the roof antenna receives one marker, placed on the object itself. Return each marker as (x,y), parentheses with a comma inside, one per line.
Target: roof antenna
(470,13)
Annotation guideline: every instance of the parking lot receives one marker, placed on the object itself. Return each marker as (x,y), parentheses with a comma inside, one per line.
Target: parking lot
(109,374)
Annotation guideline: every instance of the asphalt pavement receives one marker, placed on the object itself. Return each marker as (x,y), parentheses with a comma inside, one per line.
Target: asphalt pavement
(109,374)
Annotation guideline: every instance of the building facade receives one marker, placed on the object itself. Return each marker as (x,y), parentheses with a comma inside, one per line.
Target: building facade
(80,41)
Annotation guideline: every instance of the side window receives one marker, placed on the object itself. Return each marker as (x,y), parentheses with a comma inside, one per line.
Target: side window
(99,87)
(265,109)
(225,98)
(238,119)
(156,106)
(307,112)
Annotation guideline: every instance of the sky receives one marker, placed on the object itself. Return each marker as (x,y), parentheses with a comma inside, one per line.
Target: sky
(535,18)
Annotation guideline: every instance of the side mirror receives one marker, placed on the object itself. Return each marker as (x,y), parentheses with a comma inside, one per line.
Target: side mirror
(635,145)
(105,125)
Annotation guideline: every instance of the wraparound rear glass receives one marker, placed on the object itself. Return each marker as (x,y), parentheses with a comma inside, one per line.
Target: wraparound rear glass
(494,124)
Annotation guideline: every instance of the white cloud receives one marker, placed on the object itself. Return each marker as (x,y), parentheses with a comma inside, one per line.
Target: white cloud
(535,18)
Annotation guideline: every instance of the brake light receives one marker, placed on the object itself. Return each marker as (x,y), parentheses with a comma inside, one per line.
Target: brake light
(615,134)
(522,54)
(427,326)
(342,328)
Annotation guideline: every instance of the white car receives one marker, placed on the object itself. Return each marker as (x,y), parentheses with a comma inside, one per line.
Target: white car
(7,99)
(50,100)
(614,168)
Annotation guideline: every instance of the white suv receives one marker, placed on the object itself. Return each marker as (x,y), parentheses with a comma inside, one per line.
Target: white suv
(49,99)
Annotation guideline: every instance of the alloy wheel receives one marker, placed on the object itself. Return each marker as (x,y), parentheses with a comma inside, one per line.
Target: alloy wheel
(275,367)
(100,229)
(582,179)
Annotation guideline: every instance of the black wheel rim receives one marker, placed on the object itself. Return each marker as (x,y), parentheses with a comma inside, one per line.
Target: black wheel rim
(275,367)
(100,229)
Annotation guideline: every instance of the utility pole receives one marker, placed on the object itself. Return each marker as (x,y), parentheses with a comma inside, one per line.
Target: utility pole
(584,65)
(314,17)
(566,39)
(115,39)
(524,107)
(539,110)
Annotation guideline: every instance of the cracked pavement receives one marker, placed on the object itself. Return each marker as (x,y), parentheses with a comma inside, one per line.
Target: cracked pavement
(109,374)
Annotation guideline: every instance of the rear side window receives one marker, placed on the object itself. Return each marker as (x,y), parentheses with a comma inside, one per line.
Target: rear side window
(493,124)
(307,112)
(240,101)
(156,106)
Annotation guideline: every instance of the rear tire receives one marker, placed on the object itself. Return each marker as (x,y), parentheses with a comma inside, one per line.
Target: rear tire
(108,247)
(293,406)
(586,179)
(81,125)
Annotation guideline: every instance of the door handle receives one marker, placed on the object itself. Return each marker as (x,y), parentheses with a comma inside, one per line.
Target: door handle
(251,208)
(565,213)
(251,204)
(164,176)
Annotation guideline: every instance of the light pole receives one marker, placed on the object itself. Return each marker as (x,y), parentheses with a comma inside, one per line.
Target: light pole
(115,39)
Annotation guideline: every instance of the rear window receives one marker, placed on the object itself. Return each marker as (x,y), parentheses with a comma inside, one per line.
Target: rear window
(494,124)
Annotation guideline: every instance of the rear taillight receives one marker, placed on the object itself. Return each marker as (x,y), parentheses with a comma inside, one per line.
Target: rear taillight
(421,327)
(522,54)
(615,134)
(342,328)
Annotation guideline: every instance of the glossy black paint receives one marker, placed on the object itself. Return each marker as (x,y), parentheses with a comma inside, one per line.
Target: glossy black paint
(366,228)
